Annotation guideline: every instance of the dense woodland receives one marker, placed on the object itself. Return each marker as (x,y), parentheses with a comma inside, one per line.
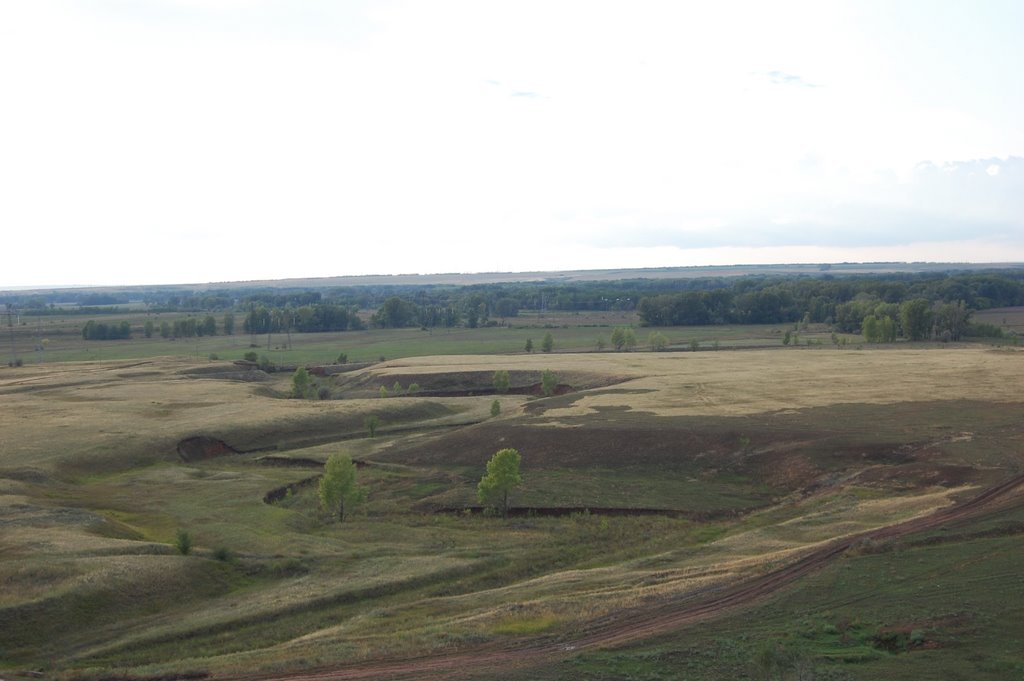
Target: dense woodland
(881,306)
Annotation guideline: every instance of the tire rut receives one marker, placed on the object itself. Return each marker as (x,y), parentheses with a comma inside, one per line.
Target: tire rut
(644,623)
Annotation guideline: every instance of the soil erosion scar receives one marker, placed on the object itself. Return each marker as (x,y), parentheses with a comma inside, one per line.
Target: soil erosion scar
(488,660)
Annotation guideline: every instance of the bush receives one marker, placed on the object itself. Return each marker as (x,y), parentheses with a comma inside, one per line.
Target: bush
(501,381)
(251,356)
(548,382)
(183,542)
(222,554)
(982,330)
(342,358)
(324,393)
(495,408)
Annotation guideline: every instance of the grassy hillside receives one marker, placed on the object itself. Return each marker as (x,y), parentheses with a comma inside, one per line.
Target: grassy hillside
(745,460)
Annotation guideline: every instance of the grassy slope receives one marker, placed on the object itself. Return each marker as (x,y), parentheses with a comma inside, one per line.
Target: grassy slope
(91,508)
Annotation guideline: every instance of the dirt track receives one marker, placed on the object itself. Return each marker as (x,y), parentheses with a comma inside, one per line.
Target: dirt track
(489,661)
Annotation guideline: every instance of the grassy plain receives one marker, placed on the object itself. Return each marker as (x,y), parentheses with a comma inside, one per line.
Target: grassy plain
(763,454)
(39,340)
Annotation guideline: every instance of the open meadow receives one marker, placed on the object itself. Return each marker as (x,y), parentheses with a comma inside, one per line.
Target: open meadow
(704,515)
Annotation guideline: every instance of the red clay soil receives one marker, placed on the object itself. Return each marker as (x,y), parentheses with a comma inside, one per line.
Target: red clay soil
(492,660)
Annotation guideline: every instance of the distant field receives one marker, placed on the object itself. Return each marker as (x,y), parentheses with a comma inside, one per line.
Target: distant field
(763,454)
(1010,319)
(59,339)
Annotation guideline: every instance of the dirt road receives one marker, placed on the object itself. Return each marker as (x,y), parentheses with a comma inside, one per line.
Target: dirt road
(490,661)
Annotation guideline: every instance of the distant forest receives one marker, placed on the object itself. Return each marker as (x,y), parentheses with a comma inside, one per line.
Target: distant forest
(844,301)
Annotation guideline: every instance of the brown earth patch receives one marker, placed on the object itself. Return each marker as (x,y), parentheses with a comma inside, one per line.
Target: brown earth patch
(202,447)
(918,474)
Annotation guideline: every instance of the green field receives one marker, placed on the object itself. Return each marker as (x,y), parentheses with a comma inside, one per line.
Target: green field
(744,460)
(58,339)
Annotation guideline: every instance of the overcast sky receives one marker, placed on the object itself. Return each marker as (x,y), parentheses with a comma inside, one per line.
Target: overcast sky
(172,141)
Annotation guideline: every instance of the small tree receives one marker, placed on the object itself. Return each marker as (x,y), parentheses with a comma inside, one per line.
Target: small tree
(548,382)
(630,339)
(618,337)
(495,408)
(183,542)
(501,478)
(548,344)
(342,358)
(301,386)
(339,491)
(502,382)
(694,345)
(601,343)
(148,328)
(657,341)
(371,424)
(529,345)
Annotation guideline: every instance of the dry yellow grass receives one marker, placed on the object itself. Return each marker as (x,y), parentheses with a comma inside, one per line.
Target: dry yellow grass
(109,416)
(731,383)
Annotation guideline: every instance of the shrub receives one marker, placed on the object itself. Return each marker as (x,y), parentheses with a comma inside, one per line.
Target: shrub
(342,358)
(324,393)
(251,356)
(983,330)
(548,382)
(495,408)
(183,542)
(501,381)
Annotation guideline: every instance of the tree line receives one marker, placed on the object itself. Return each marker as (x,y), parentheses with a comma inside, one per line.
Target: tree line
(845,302)
(313,318)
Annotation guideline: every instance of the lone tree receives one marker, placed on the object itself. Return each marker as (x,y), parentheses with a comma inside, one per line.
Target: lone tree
(502,382)
(548,382)
(501,478)
(339,491)
(302,386)
(548,344)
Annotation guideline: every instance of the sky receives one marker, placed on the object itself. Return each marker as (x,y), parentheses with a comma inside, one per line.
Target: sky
(189,141)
